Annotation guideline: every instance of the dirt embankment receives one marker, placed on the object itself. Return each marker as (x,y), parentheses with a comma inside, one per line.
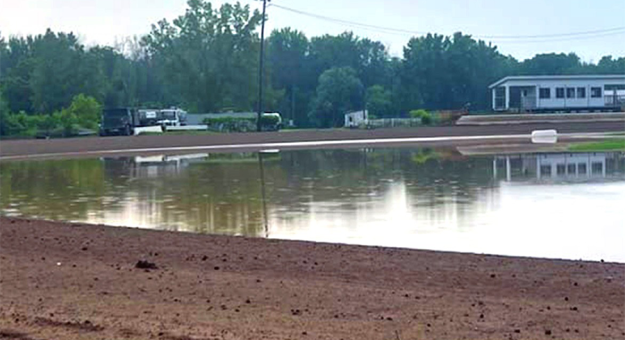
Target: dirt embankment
(68,281)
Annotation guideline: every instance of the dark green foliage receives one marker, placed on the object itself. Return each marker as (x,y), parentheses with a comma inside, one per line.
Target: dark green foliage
(379,102)
(239,124)
(339,91)
(426,117)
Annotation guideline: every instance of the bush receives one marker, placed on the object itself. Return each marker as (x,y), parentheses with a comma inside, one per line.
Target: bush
(237,124)
(19,124)
(426,117)
(68,122)
(86,110)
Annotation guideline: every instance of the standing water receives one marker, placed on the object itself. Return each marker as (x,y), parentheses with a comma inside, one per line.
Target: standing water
(540,205)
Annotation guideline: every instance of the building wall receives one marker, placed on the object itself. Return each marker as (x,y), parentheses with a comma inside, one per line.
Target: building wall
(565,102)
(354,119)
(555,103)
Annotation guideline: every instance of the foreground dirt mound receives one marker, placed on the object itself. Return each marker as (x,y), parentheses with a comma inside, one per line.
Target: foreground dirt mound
(68,281)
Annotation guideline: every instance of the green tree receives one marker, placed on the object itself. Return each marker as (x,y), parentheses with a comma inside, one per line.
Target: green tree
(339,91)
(208,58)
(379,102)
(441,72)
(67,120)
(551,64)
(287,52)
(87,111)
(609,65)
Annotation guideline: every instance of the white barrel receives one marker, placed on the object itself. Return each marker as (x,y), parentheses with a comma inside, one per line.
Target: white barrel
(144,129)
(544,136)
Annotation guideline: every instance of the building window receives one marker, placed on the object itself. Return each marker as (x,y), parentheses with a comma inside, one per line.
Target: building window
(570,92)
(559,92)
(595,92)
(581,168)
(500,98)
(581,92)
(545,169)
(570,169)
(597,167)
(561,169)
(544,93)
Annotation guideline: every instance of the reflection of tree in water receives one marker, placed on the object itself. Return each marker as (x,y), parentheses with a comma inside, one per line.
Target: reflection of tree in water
(65,189)
(431,178)
(219,194)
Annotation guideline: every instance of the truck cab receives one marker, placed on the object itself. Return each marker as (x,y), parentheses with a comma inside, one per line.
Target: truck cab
(172,117)
(118,121)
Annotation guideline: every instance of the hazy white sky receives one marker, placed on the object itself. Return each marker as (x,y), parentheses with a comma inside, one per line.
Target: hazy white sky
(104,21)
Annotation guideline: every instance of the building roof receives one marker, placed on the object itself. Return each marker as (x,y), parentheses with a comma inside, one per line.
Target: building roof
(568,77)
(355,112)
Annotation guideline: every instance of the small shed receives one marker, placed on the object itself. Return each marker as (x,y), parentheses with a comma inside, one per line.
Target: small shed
(573,93)
(356,118)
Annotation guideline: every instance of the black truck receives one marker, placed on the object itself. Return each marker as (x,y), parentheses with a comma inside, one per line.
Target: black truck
(119,121)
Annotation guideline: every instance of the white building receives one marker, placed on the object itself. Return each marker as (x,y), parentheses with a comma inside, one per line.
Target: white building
(356,118)
(573,93)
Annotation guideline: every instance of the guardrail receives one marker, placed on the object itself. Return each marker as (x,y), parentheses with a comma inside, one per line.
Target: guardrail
(187,128)
(614,100)
(393,122)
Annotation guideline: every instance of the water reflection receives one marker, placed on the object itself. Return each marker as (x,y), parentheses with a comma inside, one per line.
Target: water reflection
(418,198)
(558,166)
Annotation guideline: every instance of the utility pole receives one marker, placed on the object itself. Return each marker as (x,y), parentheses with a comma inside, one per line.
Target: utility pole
(260,68)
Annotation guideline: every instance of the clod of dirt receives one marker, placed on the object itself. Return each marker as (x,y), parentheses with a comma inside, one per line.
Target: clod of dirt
(144,264)
(216,267)
(296,312)
(548,332)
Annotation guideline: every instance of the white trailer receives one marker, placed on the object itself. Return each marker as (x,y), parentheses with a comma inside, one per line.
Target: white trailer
(576,93)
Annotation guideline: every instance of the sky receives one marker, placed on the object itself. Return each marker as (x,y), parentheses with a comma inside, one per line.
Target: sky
(105,22)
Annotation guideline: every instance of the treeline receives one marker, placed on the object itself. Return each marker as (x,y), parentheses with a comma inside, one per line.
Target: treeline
(207,61)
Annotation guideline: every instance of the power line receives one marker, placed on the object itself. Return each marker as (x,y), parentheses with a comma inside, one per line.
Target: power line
(501,38)
(347,22)
(596,36)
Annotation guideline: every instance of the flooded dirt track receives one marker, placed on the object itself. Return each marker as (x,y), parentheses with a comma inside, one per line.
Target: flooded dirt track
(38,147)
(69,281)
(408,197)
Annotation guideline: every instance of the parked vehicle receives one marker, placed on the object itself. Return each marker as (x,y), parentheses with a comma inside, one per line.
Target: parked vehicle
(124,121)
(271,121)
(149,117)
(172,117)
(119,121)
